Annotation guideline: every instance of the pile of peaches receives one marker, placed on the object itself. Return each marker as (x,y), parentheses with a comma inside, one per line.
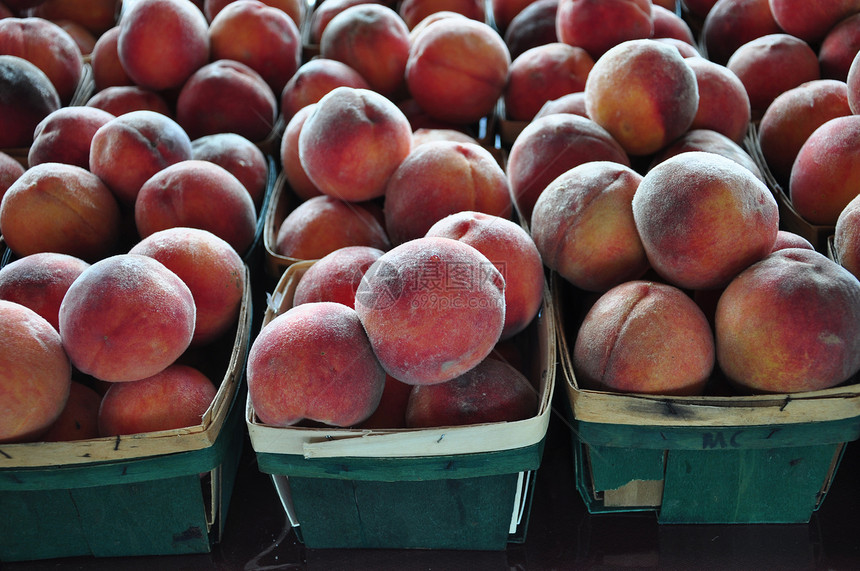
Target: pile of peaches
(632,177)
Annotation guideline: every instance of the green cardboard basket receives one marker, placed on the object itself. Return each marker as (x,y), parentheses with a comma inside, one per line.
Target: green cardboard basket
(705,459)
(462,487)
(153,493)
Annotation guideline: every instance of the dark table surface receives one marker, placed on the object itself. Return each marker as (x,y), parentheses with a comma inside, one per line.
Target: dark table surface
(561,534)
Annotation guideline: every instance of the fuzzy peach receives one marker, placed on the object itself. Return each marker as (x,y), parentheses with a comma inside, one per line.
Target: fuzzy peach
(10,170)
(532,27)
(121,99)
(425,288)
(97,16)
(240,157)
(789,324)
(512,250)
(40,281)
(54,207)
(644,337)
(644,93)
(79,419)
(846,237)
(690,211)
(315,78)
(583,226)
(323,14)
(570,103)
(335,377)
(36,374)
(598,25)
(104,61)
(29,97)
(336,276)
(125,318)
(348,123)
(711,142)
(810,21)
(295,9)
(724,105)
(839,47)
(442,178)
(65,136)
(733,23)
(414,11)
(391,410)
(291,164)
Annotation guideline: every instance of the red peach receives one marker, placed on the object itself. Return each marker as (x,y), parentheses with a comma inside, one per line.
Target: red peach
(789,323)
(125,318)
(323,224)
(442,178)
(846,237)
(61,208)
(428,134)
(335,377)
(839,47)
(583,226)
(512,251)
(853,83)
(295,9)
(598,25)
(239,156)
(121,99)
(414,11)
(786,239)
(162,42)
(40,281)
(730,24)
(810,21)
(212,270)
(570,103)
(711,142)
(104,61)
(667,24)
(314,79)
(724,105)
(291,163)
(348,123)
(197,194)
(80,417)
(391,411)
(323,14)
(35,383)
(97,16)
(492,391)
(504,11)
(532,27)
(336,276)
(128,150)
(644,337)
(425,288)
(84,39)
(65,136)
(10,170)
(176,397)
(29,97)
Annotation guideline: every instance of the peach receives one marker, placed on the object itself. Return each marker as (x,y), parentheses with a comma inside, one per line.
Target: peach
(711,142)
(335,378)
(414,11)
(810,21)
(336,276)
(644,93)
(853,83)
(240,157)
(48,47)
(187,193)
(295,9)
(846,237)
(65,136)
(532,27)
(698,9)
(504,11)
(84,39)
(127,150)
(442,178)
(792,117)
(121,99)
(291,164)
(323,224)
(771,65)
(54,207)
(29,96)
(97,16)
(583,226)
(598,25)
(105,63)
(839,47)
(428,134)
(724,105)
(685,49)
(262,37)
(543,73)
(348,123)
(40,281)
(787,239)
(492,391)
(457,70)
(79,419)
(176,397)
(227,96)
(570,103)
(826,173)
(212,270)
(686,243)
(789,324)
(314,79)
(730,24)
(10,171)
(36,376)
(512,251)
(391,410)
(373,40)
(644,337)
(325,11)
(430,19)
(548,147)
(425,288)
(162,42)
(667,24)
(125,318)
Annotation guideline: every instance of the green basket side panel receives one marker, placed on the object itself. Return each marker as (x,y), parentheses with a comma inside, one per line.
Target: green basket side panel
(611,468)
(405,469)
(29,518)
(462,513)
(780,485)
